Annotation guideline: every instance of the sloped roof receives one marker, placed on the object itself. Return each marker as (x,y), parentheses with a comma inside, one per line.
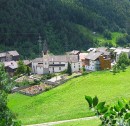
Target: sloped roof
(13,53)
(101,49)
(27,62)
(119,50)
(3,54)
(59,58)
(11,64)
(106,53)
(74,52)
(93,55)
(82,56)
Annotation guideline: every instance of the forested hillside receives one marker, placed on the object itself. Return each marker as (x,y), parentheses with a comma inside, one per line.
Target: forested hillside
(65,24)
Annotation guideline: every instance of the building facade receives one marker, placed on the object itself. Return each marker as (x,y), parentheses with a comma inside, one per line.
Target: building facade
(54,64)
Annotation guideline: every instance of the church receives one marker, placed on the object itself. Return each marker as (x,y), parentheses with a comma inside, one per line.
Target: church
(55,63)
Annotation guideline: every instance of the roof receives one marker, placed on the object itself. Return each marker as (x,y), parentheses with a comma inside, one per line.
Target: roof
(112,48)
(101,49)
(27,62)
(119,50)
(106,53)
(40,59)
(3,54)
(11,64)
(91,49)
(59,58)
(13,53)
(74,52)
(93,55)
(82,56)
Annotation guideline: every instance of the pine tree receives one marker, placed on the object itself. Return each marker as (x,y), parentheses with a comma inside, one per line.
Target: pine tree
(69,70)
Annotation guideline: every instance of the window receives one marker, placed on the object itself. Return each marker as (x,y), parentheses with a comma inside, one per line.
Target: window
(59,68)
(74,66)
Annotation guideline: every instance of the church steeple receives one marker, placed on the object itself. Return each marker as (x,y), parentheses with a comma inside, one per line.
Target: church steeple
(45,47)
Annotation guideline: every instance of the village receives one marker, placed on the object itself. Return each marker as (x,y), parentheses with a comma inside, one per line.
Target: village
(49,71)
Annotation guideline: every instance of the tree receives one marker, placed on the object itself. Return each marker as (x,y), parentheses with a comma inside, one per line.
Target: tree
(117,115)
(6,117)
(115,69)
(69,70)
(123,67)
(123,58)
(107,34)
(28,70)
(21,68)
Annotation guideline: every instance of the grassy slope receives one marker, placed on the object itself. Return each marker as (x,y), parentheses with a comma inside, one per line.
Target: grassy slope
(94,122)
(86,32)
(67,101)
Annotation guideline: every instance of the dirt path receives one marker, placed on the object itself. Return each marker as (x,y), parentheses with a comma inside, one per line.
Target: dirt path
(63,121)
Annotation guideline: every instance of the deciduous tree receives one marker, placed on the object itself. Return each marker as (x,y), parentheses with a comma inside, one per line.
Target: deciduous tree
(6,117)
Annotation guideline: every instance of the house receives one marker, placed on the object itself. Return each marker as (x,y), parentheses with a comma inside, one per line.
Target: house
(82,58)
(97,61)
(101,49)
(12,55)
(9,56)
(10,67)
(120,50)
(55,64)
(92,61)
(28,63)
(2,57)
(91,50)
(74,52)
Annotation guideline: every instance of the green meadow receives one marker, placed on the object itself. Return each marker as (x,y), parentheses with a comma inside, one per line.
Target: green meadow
(67,101)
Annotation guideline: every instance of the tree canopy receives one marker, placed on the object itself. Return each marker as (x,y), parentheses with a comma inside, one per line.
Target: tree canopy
(57,21)
(6,117)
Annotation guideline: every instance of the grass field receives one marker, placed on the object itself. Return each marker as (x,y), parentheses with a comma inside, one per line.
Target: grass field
(94,122)
(67,101)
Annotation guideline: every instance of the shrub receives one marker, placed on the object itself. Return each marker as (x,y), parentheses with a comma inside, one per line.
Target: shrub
(117,115)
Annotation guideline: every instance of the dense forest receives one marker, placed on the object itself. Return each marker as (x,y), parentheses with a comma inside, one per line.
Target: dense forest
(58,21)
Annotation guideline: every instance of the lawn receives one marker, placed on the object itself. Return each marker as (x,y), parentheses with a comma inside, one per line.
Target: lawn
(67,101)
(93,122)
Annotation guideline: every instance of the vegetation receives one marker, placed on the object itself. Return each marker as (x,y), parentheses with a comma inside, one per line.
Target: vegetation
(69,69)
(117,115)
(123,61)
(21,68)
(48,76)
(6,116)
(74,90)
(28,70)
(57,21)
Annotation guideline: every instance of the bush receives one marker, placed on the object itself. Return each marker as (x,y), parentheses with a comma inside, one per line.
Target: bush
(63,72)
(48,76)
(117,115)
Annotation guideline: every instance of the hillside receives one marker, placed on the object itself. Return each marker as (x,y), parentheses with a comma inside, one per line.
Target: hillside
(57,21)
(67,101)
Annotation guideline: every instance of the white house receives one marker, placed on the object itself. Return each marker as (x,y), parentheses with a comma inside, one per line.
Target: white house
(92,60)
(55,63)
(120,50)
